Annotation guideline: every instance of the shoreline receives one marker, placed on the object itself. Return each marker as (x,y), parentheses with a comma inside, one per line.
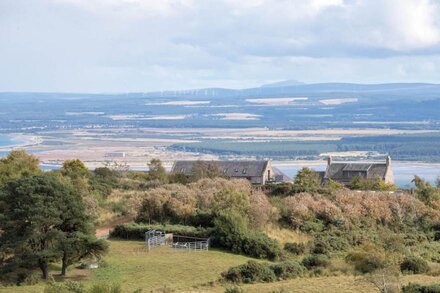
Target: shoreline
(20,141)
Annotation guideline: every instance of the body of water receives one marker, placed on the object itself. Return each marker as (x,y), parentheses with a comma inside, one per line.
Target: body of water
(7,141)
(403,171)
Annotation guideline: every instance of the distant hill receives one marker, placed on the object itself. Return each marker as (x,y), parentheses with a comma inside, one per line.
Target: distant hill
(293,88)
(284,83)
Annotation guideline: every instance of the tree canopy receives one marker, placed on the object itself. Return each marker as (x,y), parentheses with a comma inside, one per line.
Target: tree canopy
(43,220)
(18,164)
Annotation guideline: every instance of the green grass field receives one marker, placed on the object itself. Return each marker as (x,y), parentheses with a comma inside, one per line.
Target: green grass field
(130,265)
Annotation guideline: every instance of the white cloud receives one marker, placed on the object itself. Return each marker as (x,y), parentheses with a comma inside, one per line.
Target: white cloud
(139,45)
(397,25)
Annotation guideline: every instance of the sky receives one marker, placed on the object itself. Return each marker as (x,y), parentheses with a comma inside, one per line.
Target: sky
(147,45)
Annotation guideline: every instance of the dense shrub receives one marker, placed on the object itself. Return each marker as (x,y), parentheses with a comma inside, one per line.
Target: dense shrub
(137,231)
(250,272)
(367,259)
(172,203)
(295,248)
(414,264)
(316,261)
(261,211)
(325,244)
(232,232)
(287,270)
(416,288)
(66,287)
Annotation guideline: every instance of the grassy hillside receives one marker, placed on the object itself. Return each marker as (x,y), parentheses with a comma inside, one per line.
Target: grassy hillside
(131,265)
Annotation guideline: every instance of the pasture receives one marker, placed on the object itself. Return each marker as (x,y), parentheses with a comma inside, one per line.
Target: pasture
(129,264)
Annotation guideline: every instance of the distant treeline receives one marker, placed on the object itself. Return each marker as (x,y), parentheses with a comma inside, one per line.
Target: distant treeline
(424,147)
(415,147)
(252,148)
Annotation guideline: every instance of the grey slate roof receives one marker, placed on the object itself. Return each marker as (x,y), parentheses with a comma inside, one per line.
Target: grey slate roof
(230,168)
(345,172)
(280,176)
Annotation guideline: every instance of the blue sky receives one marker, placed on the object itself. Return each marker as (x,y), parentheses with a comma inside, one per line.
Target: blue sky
(144,45)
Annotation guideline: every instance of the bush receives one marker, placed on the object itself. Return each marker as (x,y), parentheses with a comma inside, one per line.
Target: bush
(416,288)
(250,272)
(28,278)
(234,290)
(231,232)
(367,259)
(66,287)
(137,231)
(316,261)
(287,270)
(295,248)
(325,244)
(415,265)
(105,288)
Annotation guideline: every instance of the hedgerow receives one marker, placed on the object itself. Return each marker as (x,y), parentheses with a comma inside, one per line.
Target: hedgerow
(135,231)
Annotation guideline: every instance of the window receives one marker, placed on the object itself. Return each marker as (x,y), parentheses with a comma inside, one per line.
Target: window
(225,170)
(182,170)
(244,171)
(236,170)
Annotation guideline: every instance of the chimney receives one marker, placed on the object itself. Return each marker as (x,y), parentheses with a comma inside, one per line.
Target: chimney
(329,160)
(388,160)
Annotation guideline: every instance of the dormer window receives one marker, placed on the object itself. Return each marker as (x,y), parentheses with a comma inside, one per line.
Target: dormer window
(225,170)
(236,170)
(182,170)
(244,171)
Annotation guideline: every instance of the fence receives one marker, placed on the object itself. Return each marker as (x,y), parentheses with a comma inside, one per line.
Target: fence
(154,238)
(185,243)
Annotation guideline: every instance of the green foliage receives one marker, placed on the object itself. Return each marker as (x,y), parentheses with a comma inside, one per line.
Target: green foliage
(137,231)
(287,270)
(202,170)
(285,149)
(65,287)
(44,220)
(250,272)
(414,265)
(18,164)
(253,272)
(326,243)
(74,168)
(230,199)
(316,261)
(157,171)
(76,287)
(171,203)
(359,183)
(233,233)
(103,182)
(32,212)
(295,248)
(179,178)
(105,288)
(368,259)
(425,191)
(307,180)
(417,288)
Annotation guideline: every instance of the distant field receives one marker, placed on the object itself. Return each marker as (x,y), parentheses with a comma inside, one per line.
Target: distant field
(405,147)
(258,148)
(129,264)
